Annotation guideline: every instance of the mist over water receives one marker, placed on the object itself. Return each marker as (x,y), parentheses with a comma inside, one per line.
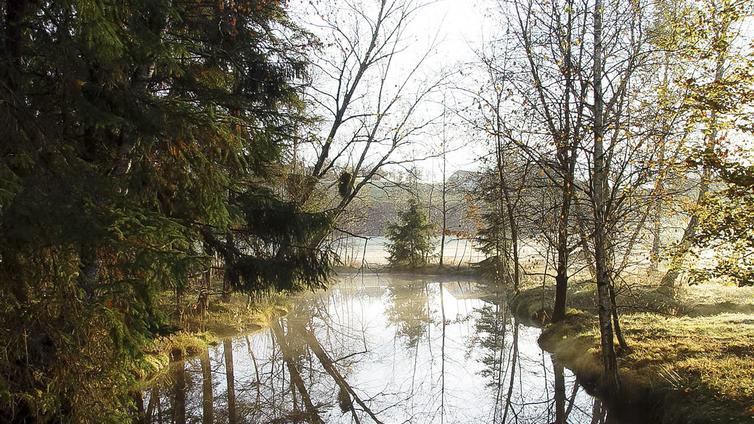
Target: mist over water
(379,348)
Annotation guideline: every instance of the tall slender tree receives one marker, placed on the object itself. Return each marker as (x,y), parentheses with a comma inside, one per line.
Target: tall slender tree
(600,193)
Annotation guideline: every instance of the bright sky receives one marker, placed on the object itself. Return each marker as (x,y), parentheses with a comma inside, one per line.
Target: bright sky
(460,28)
(457,26)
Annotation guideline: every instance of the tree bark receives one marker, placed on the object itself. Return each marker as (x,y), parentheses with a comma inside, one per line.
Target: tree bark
(444,194)
(599,189)
(616,321)
(179,403)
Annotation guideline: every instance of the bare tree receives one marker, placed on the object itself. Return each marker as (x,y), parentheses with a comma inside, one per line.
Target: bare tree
(599,195)
(444,204)
(504,186)
(574,52)
(371,103)
(621,156)
(548,55)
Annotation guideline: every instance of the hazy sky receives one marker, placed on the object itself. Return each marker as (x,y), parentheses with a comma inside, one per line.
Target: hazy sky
(460,27)
(457,28)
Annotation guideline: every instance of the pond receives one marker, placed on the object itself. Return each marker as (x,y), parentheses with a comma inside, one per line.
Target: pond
(379,348)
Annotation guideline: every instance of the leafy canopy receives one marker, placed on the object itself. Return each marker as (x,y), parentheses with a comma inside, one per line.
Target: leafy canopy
(140,138)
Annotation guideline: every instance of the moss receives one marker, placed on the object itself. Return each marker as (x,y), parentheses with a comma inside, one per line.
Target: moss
(701,367)
(163,350)
(193,332)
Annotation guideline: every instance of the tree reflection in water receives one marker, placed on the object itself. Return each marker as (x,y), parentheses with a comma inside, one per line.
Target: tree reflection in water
(378,349)
(408,310)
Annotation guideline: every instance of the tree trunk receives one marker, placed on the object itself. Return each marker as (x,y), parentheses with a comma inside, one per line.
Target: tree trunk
(329,367)
(584,240)
(560,396)
(514,359)
(599,189)
(444,192)
(230,381)
(616,322)
(293,370)
(567,160)
(654,254)
(179,403)
(516,259)
(561,277)
(227,284)
(442,357)
(668,280)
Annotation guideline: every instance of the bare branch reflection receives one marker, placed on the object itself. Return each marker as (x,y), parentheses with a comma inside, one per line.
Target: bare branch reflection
(379,349)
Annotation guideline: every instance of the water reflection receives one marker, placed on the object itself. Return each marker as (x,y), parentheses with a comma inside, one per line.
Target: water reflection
(379,349)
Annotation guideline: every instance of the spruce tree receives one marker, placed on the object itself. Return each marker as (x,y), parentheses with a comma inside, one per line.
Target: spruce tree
(139,139)
(410,237)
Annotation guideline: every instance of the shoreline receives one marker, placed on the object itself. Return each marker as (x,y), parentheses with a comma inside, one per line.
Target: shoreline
(663,374)
(222,320)
(673,372)
(424,271)
(233,318)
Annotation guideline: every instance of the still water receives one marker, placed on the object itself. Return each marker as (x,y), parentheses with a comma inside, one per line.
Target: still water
(379,348)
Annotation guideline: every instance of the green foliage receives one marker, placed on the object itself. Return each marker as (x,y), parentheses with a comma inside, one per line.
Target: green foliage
(284,241)
(410,238)
(140,138)
(493,237)
(718,92)
(726,225)
(720,100)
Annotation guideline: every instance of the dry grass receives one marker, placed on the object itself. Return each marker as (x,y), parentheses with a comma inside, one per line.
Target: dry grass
(715,353)
(693,352)
(235,317)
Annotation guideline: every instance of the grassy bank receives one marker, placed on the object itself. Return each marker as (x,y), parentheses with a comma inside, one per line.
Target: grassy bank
(692,357)
(190,332)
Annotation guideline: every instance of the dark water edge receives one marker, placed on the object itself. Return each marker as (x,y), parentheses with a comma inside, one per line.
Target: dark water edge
(385,348)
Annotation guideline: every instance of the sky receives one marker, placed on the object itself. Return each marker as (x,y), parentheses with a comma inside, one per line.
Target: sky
(456,27)
(459,28)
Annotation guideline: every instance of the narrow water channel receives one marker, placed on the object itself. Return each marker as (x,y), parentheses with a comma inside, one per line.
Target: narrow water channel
(379,348)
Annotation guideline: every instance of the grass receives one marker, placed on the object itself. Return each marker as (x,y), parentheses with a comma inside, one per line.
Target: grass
(191,332)
(235,316)
(694,352)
